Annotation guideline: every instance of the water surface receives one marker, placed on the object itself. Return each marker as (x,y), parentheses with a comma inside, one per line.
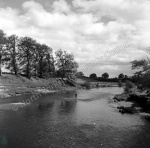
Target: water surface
(60,121)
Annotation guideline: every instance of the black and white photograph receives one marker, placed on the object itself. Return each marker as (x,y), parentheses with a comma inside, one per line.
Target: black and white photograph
(74,73)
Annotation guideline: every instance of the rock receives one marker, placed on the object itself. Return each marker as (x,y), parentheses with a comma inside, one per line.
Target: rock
(139,98)
(121,97)
(129,110)
(120,107)
(122,111)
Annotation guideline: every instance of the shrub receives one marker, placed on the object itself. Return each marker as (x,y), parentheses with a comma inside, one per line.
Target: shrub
(87,85)
(97,85)
(128,86)
(120,84)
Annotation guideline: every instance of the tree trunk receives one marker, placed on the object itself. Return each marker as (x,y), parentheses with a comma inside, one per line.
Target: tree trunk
(63,75)
(28,73)
(14,65)
(28,65)
(41,67)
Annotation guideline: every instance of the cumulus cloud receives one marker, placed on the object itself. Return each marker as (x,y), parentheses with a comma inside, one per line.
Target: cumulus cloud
(61,6)
(86,28)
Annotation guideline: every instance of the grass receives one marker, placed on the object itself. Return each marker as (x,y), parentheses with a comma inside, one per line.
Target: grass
(12,85)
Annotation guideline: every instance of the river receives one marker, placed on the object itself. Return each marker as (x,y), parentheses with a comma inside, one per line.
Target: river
(60,121)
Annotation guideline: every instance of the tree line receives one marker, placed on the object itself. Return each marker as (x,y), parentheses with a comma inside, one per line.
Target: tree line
(24,55)
(105,77)
(141,77)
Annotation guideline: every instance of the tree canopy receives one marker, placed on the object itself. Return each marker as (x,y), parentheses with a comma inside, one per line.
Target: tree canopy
(65,63)
(93,76)
(79,74)
(121,76)
(105,75)
(142,76)
(24,55)
(2,48)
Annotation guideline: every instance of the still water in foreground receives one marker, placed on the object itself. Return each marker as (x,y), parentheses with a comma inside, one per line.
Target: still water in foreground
(91,121)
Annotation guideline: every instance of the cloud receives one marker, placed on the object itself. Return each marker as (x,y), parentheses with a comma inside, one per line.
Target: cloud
(125,10)
(61,6)
(86,28)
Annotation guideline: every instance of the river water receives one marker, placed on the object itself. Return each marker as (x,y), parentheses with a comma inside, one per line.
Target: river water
(60,121)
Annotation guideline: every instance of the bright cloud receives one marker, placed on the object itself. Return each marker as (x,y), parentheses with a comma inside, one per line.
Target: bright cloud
(86,28)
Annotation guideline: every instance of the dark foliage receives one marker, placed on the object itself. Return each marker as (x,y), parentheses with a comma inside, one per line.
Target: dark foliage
(93,76)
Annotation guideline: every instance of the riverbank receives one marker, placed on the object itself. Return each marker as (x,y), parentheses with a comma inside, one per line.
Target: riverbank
(135,101)
(11,85)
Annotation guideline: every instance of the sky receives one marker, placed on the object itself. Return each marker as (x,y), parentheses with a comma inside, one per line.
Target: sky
(89,29)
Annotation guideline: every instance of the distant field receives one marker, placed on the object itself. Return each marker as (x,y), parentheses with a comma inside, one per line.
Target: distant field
(83,80)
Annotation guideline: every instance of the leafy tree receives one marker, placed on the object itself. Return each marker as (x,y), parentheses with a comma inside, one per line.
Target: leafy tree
(27,55)
(128,86)
(141,65)
(121,76)
(93,76)
(50,63)
(12,55)
(2,48)
(105,75)
(125,76)
(142,76)
(41,57)
(79,74)
(65,63)
(120,84)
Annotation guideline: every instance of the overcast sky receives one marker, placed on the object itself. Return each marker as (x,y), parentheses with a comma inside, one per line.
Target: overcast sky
(86,28)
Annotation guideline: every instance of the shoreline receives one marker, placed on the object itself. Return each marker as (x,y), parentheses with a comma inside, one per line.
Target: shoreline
(133,102)
(6,93)
(11,86)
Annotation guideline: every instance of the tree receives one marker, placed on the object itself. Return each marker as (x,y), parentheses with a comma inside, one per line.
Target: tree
(105,75)
(121,76)
(126,77)
(51,63)
(65,63)
(93,76)
(12,53)
(2,47)
(143,75)
(141,65)
(41,58)
(27,55)
(80,74)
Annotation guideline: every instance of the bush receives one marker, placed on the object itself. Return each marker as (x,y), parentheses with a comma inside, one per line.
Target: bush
(97,85)
(145,80)
(120,84)
(87,85)
(128,86)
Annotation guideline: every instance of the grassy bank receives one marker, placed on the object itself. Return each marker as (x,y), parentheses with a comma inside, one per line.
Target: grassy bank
(95,83)
(11,85)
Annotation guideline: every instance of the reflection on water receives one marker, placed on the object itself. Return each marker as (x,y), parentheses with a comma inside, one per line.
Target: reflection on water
(43,106)
(61,121)
(67,107)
